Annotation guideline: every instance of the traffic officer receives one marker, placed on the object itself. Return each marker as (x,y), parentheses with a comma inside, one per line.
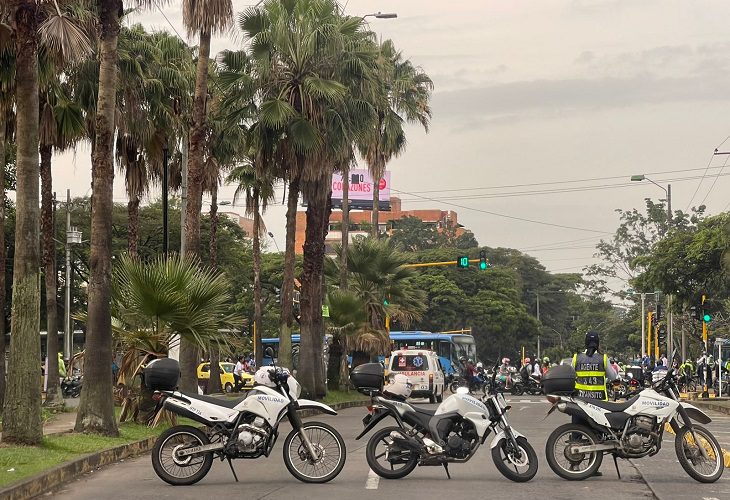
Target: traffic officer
(592,370)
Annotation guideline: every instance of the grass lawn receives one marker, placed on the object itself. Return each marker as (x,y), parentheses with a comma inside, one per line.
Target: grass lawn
(333,397)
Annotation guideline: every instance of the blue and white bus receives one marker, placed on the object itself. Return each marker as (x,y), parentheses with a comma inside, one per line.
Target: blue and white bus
(449,346)
(274,344)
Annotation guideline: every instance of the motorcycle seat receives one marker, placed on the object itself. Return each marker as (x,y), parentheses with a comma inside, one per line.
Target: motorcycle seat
(610,405)
(225,402)
(423,411)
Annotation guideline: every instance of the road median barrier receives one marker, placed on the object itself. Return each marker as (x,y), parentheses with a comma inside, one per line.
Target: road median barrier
(53,478)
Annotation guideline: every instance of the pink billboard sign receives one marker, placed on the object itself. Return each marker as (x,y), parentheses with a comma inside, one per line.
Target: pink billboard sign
(361,186)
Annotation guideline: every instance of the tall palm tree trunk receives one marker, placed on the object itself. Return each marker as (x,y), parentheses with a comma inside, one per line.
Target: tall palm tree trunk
(345,225)
(3,128)
(287,285)
(53,389)
(214,383)
(96,408)
(257,275)
(188,351)
(133,225)
(311,361)
(22,411)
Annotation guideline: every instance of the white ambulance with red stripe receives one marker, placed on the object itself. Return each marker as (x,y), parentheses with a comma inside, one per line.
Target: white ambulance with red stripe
(423,369)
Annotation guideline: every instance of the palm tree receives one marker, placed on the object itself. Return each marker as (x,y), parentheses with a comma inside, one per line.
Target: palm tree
(303,52)
(259,192)
(203,18)
(403,95)
(22,412)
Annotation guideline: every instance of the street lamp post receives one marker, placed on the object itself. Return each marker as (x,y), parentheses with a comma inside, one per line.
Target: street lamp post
(73,237)
(165,233)
(382,15)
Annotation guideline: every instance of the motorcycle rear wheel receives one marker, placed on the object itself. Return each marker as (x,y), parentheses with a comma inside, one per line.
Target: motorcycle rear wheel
(569,470)
(507,463)
(407,459)
(330,448)
(175,471)
(685,445)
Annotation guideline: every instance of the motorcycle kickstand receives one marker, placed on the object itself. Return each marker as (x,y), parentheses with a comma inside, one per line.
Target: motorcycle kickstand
(230,464)
(446,468)
(615,462)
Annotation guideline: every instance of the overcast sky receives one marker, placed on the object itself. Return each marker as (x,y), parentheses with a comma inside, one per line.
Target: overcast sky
(543,91)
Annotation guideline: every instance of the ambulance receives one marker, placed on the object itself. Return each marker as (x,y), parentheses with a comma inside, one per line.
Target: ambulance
(423,369)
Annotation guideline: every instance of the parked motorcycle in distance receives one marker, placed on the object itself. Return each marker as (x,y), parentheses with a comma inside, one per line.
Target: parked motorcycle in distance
(314,452)
(451,433)
(71,386)
(630,429)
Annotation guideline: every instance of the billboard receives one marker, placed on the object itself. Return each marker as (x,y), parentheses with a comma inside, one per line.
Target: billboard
(361,190)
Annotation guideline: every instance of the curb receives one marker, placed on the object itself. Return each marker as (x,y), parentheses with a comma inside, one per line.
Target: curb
(54,478)
(646,481)
(710,405)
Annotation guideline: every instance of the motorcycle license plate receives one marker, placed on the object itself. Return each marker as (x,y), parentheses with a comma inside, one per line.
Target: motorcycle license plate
(424,387)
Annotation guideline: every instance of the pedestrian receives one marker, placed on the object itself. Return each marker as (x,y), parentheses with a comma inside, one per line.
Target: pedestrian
(592,370)
(238,374)
(61,367)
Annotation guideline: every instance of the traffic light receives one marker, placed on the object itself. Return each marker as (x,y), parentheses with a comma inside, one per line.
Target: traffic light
(483,260)
(654,319)
(462,261)
(658,312)
(696,312)
(662,333)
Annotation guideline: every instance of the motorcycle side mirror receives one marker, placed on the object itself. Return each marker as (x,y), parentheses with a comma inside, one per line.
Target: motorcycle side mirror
(269,353)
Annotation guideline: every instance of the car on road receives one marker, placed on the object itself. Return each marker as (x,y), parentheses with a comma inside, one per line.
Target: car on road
(424,370)
(227,380)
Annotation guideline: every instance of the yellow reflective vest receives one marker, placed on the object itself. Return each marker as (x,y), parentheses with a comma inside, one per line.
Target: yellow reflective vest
(590,372)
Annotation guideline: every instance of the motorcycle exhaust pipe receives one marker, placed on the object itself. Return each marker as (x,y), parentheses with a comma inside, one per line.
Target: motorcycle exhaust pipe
(406,442)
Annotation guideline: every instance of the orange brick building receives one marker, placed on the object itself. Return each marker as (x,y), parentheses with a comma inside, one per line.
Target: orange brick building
(360,223)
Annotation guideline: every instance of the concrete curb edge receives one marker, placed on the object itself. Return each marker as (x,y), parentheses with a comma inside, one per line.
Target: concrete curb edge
(51,479)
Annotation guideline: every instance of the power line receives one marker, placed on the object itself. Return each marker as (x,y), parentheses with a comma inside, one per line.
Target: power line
(580,240)
(505,216)
(703,175)
(549,183)
(598,187)
(715,181)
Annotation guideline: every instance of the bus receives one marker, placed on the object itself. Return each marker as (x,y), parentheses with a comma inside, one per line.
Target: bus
(449,346)
(273,342)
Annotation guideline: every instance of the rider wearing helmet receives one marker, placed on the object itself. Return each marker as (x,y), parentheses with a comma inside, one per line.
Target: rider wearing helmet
(545,365)
(592,369)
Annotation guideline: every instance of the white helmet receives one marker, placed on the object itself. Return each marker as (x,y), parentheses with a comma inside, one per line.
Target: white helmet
(262,376)
(480,365)
(399,387)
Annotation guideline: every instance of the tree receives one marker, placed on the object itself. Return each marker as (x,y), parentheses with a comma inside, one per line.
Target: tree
(22,412)
(96,408)
(203,18)
(403,94)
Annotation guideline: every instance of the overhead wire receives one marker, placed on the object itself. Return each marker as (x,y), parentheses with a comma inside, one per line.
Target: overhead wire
(703,176)
(727,157)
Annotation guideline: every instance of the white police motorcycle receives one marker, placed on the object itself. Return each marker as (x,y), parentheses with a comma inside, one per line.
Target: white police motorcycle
(451,433)
(314,452)
(631,429)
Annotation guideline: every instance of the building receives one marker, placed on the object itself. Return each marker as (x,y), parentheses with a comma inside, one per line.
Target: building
(244,223)
(360,223)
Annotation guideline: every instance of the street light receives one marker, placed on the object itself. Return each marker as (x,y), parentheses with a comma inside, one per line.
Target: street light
(73,237)
(382,15)
(271,235)
(667,190)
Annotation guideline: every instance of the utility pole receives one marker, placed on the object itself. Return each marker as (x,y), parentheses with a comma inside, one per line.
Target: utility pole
(67,330)
(643,325)
(174,346)
(537,294)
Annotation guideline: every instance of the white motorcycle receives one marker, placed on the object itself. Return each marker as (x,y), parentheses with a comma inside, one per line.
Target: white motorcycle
(314,452)
(451,433)
(632,429)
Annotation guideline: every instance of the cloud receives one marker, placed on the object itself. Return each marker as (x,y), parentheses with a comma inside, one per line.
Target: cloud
(501,102)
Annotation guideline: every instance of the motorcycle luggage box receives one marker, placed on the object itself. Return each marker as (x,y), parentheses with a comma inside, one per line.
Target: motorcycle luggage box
(368,377)
(559,380)
(162,374)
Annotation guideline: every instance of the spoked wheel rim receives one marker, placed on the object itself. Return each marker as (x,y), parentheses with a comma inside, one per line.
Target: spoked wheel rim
(327,449)
(180,467)
(388,458)
(569,462)
(703,466)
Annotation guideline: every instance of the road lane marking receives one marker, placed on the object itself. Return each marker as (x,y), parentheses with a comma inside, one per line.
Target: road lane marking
(373,480)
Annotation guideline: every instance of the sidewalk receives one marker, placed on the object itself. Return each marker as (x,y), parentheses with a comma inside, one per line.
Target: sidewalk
(60,424)
(719,405)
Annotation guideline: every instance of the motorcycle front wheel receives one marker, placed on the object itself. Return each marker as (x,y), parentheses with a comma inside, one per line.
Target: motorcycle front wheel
(173,469)
(518,465)
(518,389)
(386,460)
(329,448)
(573,467)
(704,470)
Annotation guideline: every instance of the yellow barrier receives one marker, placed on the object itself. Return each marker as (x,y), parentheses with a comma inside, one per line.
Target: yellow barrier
(725,453)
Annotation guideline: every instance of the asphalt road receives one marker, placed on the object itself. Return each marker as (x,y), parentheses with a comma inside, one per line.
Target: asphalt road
(268,478)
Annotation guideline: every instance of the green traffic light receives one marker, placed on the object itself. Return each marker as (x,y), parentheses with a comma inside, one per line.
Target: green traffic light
(706,318)
(483,265)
